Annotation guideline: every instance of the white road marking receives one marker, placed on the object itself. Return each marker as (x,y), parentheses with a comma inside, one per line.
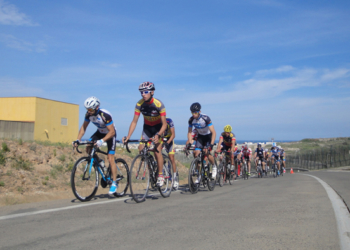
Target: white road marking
(69,207)
(341,214)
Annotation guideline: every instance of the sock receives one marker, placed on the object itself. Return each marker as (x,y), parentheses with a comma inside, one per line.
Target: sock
(114,183)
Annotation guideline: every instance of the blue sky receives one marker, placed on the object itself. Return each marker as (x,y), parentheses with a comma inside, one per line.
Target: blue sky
(269,68)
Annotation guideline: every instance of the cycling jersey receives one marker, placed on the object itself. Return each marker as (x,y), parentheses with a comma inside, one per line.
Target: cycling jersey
(151,111)
(228,140)
(102,118)
(260,152)
(167,133)
(246,152)
(274,152)
(282,153)
(201,124)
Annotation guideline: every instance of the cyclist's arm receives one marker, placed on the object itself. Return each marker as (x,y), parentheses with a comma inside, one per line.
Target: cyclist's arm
(110,134)
(212,130)
(218,149)
(132,126)
(172,135)
(162,129)
(189,136)
(82,130)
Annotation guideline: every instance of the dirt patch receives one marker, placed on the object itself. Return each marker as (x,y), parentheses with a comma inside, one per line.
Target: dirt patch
(34,172)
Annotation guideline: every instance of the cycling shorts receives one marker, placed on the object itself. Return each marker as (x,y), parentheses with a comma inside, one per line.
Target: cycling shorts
(170,148)
(150,131)
(110,143)
(203,141)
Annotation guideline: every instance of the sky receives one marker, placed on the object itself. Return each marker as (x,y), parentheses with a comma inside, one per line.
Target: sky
(269,68)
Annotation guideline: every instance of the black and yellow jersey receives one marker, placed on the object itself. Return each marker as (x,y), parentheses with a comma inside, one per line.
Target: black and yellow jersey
(151,111)
(228,140)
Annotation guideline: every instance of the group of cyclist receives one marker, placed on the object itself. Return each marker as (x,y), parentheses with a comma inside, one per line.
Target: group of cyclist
(161,131)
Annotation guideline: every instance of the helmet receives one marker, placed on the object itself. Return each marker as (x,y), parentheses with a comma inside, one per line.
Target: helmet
(246,146)
(195,107)
(227,128)
(259,145)
(92,103)
(147,86)
(279,147)
(273,144)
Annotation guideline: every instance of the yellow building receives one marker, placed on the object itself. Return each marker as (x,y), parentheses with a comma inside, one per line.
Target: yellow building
(35,118)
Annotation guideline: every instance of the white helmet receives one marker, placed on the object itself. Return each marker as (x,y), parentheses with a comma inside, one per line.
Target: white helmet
(92,103)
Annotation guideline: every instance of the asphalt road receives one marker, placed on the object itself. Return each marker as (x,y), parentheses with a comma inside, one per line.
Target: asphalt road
(289,212)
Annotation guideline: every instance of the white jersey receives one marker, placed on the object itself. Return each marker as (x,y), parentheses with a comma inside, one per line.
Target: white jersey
(201,124)
(101,119)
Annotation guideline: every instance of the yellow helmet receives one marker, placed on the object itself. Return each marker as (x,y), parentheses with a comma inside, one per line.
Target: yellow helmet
(227,128)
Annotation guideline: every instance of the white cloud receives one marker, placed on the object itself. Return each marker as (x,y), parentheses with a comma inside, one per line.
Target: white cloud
(15,43)
(9,15)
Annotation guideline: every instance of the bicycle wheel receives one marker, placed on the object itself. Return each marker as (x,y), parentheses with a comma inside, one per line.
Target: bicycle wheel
(230,177)
(84,183)
(220,173)
(139,178)
(122,177)
(168,175)
(211,182)
(194,176)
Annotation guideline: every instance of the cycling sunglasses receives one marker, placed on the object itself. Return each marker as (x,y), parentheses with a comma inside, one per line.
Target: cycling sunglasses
(196,112)
(91,110)
(145,92)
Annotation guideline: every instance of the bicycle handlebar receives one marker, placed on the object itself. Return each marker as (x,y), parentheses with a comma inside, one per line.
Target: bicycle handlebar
(142,141)
(90,143)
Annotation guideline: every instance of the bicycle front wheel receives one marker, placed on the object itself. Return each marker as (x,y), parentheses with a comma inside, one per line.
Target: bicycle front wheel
(84,183)
(168,175)
(122,177)
(211,182)
(220,173)
(139,178)
(194,176)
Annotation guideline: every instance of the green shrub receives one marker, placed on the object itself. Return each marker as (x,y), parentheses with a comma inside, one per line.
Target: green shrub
(46,178)
(20,142)
(53,173)
(20,163)
(70,166)
(2,184)
(5,148)
(44,183)
(9,173)
(2,158)
(54,152)
(20,189)
(62,158)
(32,147)
(58,167)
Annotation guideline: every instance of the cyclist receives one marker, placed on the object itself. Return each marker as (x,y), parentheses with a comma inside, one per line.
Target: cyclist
(227,142)
(206,133)
(237,159)
(275,157)
(155,124)
(247,155)
(259,155)
(282,157)
(267,159)
(106,132)
(169,147)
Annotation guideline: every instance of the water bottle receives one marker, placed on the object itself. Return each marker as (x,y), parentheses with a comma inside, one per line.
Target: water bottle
(102,165)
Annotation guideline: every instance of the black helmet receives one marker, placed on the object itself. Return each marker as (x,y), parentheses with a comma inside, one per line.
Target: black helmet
(195,107)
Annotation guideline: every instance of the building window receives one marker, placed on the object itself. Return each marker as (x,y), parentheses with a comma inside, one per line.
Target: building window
(64,121)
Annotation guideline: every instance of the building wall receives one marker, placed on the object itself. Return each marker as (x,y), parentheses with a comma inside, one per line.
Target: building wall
(45,118)
(48,121)
(17,109)
(17,130)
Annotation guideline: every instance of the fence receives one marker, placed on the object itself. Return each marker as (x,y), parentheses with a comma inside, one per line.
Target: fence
(330,157)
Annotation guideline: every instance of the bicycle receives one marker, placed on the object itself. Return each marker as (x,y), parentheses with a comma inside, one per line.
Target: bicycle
(199,172)
(144,171)
(86,171)
(177,173)
(224,172)
(259,169)
(276,172)
(244,169)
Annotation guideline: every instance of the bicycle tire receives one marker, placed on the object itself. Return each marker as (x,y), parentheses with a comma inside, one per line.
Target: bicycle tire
(139,178)
(123,175)
(84,189)
(221,175)
(231,180)
(211,182)
(193,175)
(168,175)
